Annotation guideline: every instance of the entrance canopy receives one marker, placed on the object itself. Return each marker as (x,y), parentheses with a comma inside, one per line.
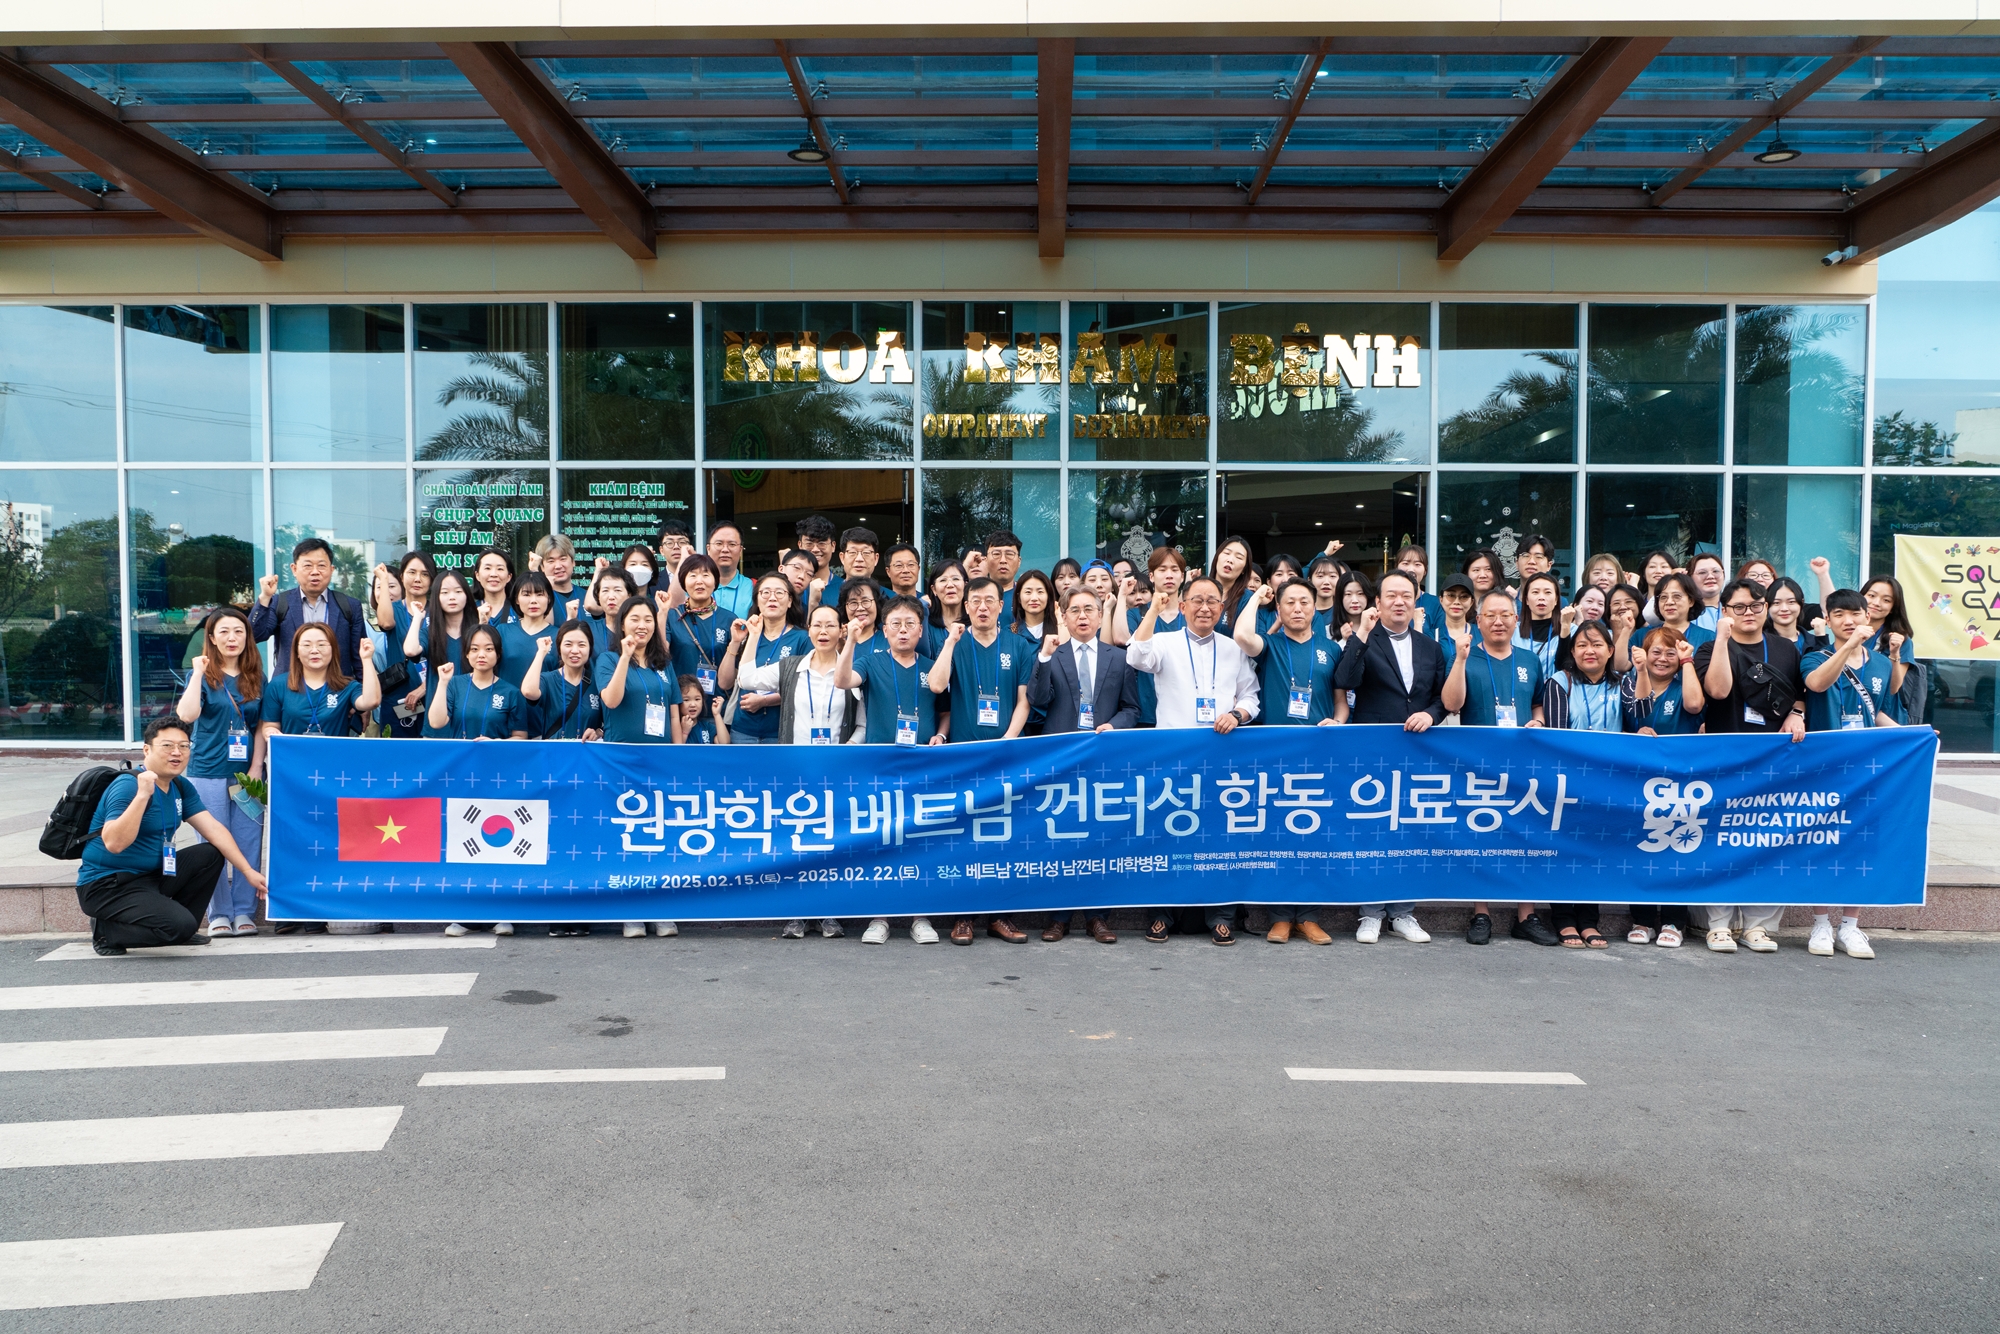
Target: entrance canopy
(1854,143)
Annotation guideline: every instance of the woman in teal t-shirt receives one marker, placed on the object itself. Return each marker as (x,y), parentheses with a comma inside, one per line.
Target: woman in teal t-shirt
(223,701)
(637,686)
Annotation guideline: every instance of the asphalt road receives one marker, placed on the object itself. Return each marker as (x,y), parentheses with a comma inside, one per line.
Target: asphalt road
(1076,1138)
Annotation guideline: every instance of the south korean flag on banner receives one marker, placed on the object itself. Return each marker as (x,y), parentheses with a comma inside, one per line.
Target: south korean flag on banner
(509,833)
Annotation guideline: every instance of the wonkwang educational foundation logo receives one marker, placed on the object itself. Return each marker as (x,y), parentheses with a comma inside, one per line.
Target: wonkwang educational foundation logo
(1673,815)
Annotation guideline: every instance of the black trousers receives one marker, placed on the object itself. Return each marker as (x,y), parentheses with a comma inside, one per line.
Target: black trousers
(1578,915)
(148,908)
(1657,915)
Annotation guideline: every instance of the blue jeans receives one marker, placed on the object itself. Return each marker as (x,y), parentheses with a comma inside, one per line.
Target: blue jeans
(234,897)
(1387,909)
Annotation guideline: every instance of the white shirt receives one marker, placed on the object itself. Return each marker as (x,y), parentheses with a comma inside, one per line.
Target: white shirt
(1406,661)
(827,706)
(1183,668)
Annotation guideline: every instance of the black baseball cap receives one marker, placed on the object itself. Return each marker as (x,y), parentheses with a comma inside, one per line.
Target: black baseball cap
(1460,582)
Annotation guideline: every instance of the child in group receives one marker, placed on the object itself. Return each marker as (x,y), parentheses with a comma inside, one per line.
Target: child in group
(698,721)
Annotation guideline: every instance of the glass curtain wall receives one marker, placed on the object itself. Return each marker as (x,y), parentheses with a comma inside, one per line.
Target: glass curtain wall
(156,460)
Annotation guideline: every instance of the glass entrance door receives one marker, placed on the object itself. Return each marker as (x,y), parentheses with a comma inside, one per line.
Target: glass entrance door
(1372,515)
(767,504)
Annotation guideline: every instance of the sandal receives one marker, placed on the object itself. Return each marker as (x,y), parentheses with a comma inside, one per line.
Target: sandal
(1570,939)
(1639,935)
(1595,939)
(1670,938)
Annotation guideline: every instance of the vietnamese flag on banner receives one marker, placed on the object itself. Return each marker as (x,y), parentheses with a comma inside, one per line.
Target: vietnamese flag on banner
(406,829)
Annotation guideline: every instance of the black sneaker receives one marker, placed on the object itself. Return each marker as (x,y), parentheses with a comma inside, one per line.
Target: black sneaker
(1157,929)
(1532,927)
(195,940)
(1479,931)
(106,948)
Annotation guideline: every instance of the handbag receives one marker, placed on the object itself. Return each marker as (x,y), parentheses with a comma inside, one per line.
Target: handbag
(395,679)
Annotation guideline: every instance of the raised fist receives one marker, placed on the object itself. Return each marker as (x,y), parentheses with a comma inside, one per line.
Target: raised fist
(367,648)
(267,588)
(1049,646)
(1333,547)
(1684,651)
(199,666)
(1128,586)
(1369,620)
(544,644)
(445,673)
(601,563)
(957,629)
(1818,565)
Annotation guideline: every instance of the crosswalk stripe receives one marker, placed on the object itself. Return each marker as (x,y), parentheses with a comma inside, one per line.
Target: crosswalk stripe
(198,991)
(598,1075)
(1434,1076)
(170,1139)
(220,1049)
(94,1271)
(78,950)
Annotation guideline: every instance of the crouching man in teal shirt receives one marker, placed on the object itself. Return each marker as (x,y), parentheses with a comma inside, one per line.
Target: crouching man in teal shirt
(136,887)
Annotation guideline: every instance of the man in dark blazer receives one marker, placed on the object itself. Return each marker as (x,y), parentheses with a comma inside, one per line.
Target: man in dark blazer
(278,616)
(1397,675)
(1112,701)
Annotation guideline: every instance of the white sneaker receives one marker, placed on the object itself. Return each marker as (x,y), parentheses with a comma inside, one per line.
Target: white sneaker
(219,926)
(634,930)
(246,925)
(666,929)
(792,930)
(1854,942)
(455,929)
(1721,941)
(1820,942)
(503,928)
(1369,931)
(1758,942)
(1406,927)
(922,932)
(831,929)
(877,932)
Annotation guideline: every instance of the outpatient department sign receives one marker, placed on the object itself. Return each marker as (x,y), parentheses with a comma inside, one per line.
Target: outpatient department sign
(573,831)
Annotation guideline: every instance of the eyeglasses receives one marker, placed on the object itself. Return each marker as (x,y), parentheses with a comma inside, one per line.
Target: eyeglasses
(1743,608)
(1204,602)
(174,747)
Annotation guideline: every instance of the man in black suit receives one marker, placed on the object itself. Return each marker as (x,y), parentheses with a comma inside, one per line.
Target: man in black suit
(1397,675)
(1083,685)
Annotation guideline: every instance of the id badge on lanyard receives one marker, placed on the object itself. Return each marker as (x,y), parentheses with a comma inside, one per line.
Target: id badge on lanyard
(656,719)
(1300,703)
(1204,709)
(989,710)
(1751,716)
(167,859)
(239,743)
(1851,722)
(906,729)
(705,675)
(1086,720)
(822,736)
(1506,715)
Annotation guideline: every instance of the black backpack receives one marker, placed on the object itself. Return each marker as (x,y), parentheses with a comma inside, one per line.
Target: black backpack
(68,829)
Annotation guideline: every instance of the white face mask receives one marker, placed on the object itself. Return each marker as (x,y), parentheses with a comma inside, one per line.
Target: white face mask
(639,575)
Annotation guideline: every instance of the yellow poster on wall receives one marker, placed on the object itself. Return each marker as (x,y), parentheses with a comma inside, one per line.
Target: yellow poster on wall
(1950,585)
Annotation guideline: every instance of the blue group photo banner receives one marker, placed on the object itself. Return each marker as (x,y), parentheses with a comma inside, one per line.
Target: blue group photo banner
(562,831)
